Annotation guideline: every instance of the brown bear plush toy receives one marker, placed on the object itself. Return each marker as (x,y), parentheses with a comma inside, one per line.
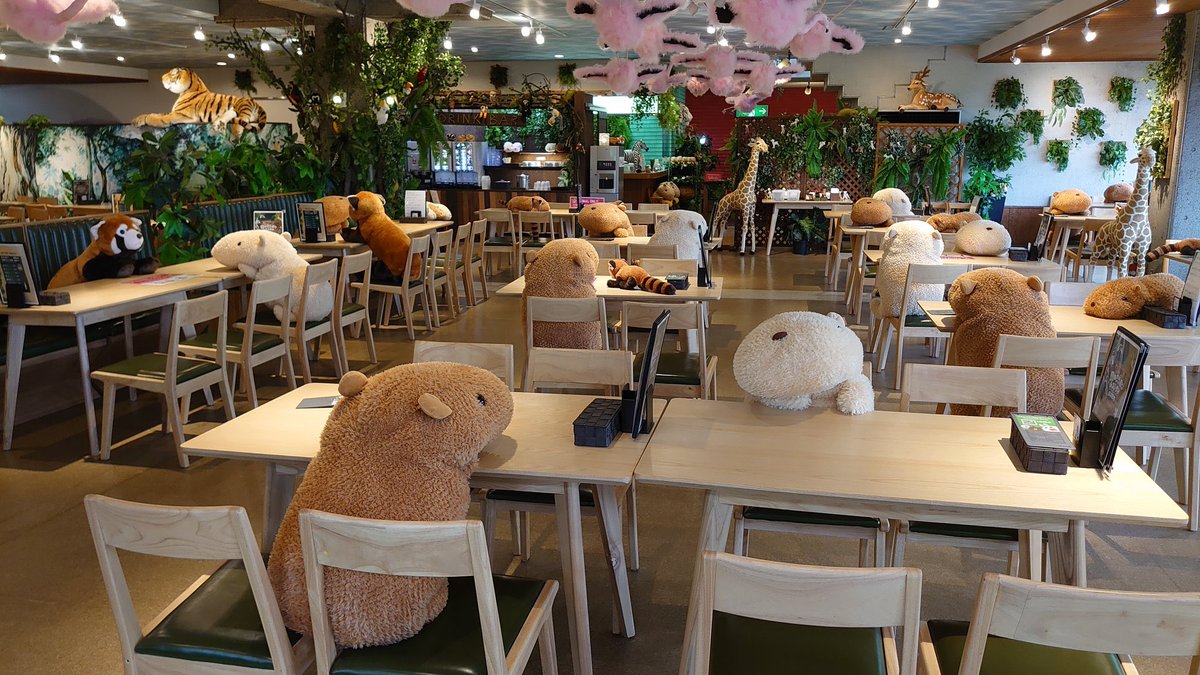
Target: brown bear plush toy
(399,446)
(1125,298)
(337,212)
(996,301)
(606,219)
(564,268)
(387,240)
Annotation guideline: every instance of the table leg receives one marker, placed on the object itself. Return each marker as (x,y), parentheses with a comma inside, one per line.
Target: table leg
(854,285)
(1032,552)
(614,550)
(771,229)
(12,377)
(281,486)
(85,372)
(164,327)
(570,544)
(714,531)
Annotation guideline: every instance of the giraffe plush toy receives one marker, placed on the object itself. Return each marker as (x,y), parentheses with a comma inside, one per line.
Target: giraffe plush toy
(1125,241)
(742,199)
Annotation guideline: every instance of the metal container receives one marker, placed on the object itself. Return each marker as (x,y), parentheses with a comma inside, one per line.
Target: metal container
(523,181)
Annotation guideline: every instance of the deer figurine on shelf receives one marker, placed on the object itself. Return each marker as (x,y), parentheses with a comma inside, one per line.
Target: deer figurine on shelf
(928,100)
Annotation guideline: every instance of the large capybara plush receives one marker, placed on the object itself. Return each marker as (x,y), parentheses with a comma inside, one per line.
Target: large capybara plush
(1070,203)
(906,243)
(605,219)
(1125,298)
(564,268)
(1118,192)
(682,229)
(337,212)
(996,301)
(896,200)
(399,446)
(952,222)
(387,240)
(869,212)
(534,203)
(983,237)
(262,254)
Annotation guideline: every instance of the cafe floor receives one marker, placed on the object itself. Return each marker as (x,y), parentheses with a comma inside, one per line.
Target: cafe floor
(55,616)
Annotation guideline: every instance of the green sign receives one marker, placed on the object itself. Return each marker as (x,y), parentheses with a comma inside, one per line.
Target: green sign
(759,111)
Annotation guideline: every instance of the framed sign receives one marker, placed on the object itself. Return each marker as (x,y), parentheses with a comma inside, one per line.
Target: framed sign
(414,204)
(1189,301)
(14,266)
(1120,377)
(311,216)
(269,220)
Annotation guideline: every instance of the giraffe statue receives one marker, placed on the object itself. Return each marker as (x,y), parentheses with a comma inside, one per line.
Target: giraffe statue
(1122,240)
(742,199)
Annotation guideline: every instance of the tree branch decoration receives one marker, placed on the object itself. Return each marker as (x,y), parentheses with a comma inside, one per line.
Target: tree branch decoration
(1121,91)
(1165,74)
(1112,157)
(1058,153)
(1089,123)
(1067,93)
(1009,94)
(1032,123)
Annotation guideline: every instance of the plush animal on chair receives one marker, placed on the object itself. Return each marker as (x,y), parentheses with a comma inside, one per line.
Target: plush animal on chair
(47,21)
(1125,298)
(262,254)
(869,212)
(387,240)
(983,237)
(1070,203)
(197,105)
(563,268)
(605,219)
(996,301)
(632,277)
(1124,242)
(1184,246)
(743,199)
(527,203)
(952,222)
(895,198)
(399,446)
(910,242)
(116,242)
(794,357)
(436,211)
(337,213)
(1118,192)
(667,193)
(683,229)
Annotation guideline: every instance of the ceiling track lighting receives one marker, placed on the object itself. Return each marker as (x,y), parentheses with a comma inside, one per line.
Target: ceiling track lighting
(231,56)
(710,29)
(527,29)
(119,21)
(1088,33)
(933,4)
(539,37)
(3,56)
(1046,51)
(1014,59)
(897,40)
(121,59)
(76,43)
(54,57)
(1162,7)
(199,34)
(721,39)
(906,29)
(474,13)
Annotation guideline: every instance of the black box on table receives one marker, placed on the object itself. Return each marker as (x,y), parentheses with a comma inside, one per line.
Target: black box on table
(1018,254)
(1041,444)
(679,280)
(598,424)
(1164,317)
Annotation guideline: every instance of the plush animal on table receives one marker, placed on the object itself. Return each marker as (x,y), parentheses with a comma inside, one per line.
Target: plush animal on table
(983,237)
(626,25)
(1118,192)
(430,9)
(910,242)
(895,198)
(1184,246)
(436,211)
(47,21)
(337,213)
(1070,203)
(667,193)
(743,200)
(794,357)
(952,222)
(996,301)
(928,100)
(387,240)
(822,36)
(632,278)
(399,446)
(262,254)
(1125,298)
(1124,242)
(527,204)
(869,212)
(197,105)
(683,229)
(563,268)
(605,219)
(116,242)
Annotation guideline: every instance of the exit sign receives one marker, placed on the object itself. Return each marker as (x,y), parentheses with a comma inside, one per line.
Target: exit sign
(759,111)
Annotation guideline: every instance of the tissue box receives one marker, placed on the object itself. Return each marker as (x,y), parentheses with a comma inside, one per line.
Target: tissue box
(598,424)
(1018,254)
(1041,444)
(679,280)
(1164,317)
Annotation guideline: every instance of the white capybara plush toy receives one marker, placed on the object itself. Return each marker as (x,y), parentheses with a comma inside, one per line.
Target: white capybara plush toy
(895,198)
(983,237)
(906,243)
(794,357)
(262,254)
(683,229)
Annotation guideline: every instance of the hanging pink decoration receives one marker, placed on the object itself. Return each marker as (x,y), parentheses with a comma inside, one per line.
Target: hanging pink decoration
(623,24)
(769,23)
(47,21)
(824,36)
(623,76)
(697,83)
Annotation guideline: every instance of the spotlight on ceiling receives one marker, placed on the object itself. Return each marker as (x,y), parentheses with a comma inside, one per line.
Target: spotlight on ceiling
(897,40)
(1046,51)
(710,29)
(265,46)
(933,4)
(54,57)
(539,37)
(906,29)
(76,43)
(231,56)
(474,49)
(199,34)
(1014,59)
(3,56)
(808,89)
(1088,33)
(527,29)
(121,59)
(1162,7)
(560,56)
(721,39)
(119,21)
(447,44)
(474,13)
(222,63)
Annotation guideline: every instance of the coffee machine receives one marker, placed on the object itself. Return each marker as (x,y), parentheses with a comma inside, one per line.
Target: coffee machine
(606,162)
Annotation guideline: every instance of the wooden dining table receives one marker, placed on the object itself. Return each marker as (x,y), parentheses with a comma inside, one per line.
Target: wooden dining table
(910,466)
(794,204)
(695,292)
(1044,269)
(1069,321)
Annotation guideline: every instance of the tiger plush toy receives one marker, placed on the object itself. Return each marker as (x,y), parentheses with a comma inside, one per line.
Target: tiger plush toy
(116,242)
(197,105)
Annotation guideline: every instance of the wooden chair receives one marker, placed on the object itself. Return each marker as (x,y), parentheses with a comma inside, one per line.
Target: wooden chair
(24,199)
(929,383)
(494,358)
(56,212)
(1027,626)
(1076,260)
(654,206)
(249,347)
(606,251)
(37,212)
(660,267)
(913,325)
(472,257)
(660,251)
(534,230)
(564,310)
(171,375)
(47,200)
(646,219)
(226,618)
(16,212)
(411,288)
(680,373)
(833,246)
(354,313)
(1018,351)
(1069,293)
(566,224)
(483,613)
(759,616)
(441,274)
(306,331)
(501,239)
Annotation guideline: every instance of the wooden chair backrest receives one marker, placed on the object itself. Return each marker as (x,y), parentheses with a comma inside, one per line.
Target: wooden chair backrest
(17,212)
(186,532)
(1085,619)
(975,201)
(929,274)
(533,218)
(24,199)
(587,367)
(497,359)
(359,263)
(478,236)
(56,211)
(1167,351)
(643,217)
(462,244)
(662,266)
(441,549)
(47,200)
(564,310)
(315,275)
(662,251)
(651,206)
(1059,352)
(444,244)
(1069,293)
(966,385)
(262,292)
(38,212)
(839,597)
(607,251)
(416,251)
(193,312)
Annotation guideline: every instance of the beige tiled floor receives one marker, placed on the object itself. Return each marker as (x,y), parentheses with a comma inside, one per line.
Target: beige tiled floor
(55,617)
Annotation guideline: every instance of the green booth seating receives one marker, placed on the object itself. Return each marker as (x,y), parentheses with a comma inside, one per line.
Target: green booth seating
(51,244)
(238,214)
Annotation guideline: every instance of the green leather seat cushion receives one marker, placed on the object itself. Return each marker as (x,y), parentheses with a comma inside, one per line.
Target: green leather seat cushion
(682,368)
(351,307)
(267,318)
(502,240)
(964,531)
(918,321)
(218,623)
(743,645)
(1002,656)
(157,363)
(586,499)
(809,518)
(451,644)
(233,341)
(1150,412)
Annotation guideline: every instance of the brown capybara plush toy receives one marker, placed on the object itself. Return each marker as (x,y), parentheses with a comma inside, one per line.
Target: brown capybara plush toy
(1125,298)
(950,222)
(398,446)
(868,212)
(996,301)
(1118,192)
(436,211)
(337,212)
(605,219)
(564,268)
(534,203)
(1070,202)
(387,240)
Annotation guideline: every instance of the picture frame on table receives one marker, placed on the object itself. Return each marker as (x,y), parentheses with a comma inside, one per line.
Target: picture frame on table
(15,270)
(1189,300)
(1119,378)
(311,217)
(272,221)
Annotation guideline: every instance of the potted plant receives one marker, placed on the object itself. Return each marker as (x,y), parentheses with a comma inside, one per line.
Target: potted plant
(990,188)
(805,230)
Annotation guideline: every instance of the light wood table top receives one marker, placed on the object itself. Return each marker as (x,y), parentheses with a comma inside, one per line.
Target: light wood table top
(337,247)
(1044,268)
(886,459)
(695,292)
(1069,321)
(110,297)
(418,229)
(807,203)
(619,241)
(213,268)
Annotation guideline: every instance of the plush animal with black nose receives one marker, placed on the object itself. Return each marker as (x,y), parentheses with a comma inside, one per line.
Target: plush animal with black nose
(1125,298)
(113,254)
(262,254)
(983,237)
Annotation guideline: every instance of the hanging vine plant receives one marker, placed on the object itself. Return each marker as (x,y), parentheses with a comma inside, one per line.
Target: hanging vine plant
(1112,157)
(1009,94)
(1067,93)
(815,130)
(1121,91)
(1165,73)
(1058,153)
(498,76)
(566,75)
(1089,123)
(1032,123)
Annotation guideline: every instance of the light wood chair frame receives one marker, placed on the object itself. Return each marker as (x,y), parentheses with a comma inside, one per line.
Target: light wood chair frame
(656,251)
(499,223)
(359,320)
(533,225)
(1019,351)
(685,316)
(654,206)
(660,267)
(1069,293)
(647,219)
(405,295)
(472,258)
(893,326)
(316,274)
(564,310)
(497,359)
(443,247)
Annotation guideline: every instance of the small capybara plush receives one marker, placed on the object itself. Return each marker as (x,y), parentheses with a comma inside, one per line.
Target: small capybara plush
(399,446)
(983,237)
(952,222)
(896,200)
(527,204)
(563,268)
(1070,203)
(869,212)
(436,211)
(387,240)
(605,219)
(1125,298)
(996,301)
